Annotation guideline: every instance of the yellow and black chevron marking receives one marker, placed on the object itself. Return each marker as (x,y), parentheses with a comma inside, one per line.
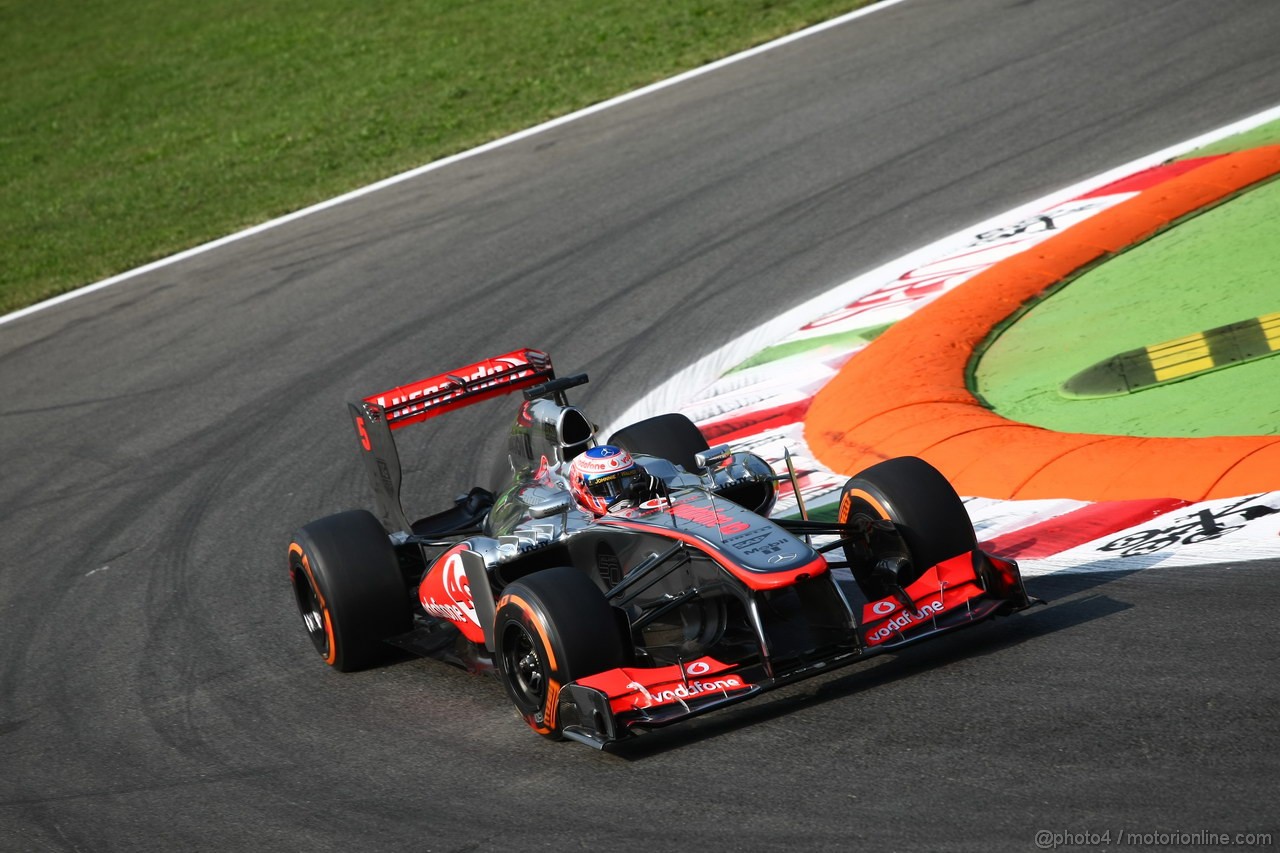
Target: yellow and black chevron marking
(1181,358)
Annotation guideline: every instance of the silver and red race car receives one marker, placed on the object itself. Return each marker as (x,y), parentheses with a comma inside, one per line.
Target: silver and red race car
(671,594)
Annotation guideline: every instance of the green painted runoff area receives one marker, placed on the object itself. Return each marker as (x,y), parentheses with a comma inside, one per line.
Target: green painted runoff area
(1219,267)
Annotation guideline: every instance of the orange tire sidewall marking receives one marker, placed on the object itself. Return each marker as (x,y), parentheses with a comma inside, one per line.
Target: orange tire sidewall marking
(332,657)
(551,703)
(907,391)
(850,495)
(535,621)
(551,707)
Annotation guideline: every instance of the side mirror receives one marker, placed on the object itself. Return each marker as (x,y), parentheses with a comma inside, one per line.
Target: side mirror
(711,456)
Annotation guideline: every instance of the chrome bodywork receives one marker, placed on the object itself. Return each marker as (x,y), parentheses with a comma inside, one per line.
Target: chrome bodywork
(536,509)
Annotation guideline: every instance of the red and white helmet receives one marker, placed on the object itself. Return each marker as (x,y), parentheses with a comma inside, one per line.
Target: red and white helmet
(598,476)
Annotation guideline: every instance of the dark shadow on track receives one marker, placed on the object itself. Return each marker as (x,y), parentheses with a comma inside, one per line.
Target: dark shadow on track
(988,638)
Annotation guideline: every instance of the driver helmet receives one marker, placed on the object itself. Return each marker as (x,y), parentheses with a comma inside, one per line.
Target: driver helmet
(599,475)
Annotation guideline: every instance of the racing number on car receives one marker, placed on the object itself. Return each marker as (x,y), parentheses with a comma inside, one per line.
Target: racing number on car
(364,434)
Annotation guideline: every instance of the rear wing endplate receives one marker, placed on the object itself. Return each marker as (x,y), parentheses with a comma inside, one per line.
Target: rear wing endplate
(377,415)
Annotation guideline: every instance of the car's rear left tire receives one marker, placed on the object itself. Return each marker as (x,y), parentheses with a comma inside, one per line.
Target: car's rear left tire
(350,593)
(671,436)
(552,627)
(929,519)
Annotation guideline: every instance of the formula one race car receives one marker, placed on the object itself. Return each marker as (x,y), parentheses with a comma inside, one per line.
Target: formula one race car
(628,585)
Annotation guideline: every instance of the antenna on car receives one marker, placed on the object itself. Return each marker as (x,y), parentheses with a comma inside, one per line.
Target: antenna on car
(671,507)
(715,513)
(795,489)
(795,483)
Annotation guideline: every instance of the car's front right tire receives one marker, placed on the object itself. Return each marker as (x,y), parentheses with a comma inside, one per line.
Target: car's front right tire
(929,521)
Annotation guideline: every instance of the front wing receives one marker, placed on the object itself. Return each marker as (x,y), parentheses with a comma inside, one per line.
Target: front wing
(959,592)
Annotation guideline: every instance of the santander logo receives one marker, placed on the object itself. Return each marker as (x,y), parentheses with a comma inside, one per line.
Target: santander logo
(454,384)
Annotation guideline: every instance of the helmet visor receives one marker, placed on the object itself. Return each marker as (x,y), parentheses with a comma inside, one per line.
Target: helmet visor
(610,485)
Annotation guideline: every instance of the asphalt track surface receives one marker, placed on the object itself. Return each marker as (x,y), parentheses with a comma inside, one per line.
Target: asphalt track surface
(162,438)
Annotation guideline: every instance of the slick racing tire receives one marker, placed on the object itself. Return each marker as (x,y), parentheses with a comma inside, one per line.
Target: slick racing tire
(672,437)
(552,627)
(347,583)
(929,518)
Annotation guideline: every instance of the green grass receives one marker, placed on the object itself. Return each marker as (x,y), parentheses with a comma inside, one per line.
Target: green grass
(131,130)
(1267,134)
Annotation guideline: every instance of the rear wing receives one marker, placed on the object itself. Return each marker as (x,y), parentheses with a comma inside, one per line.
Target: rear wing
(435,395)
(377,415)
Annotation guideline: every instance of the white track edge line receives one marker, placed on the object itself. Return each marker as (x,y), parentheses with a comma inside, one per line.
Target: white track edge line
(450,160)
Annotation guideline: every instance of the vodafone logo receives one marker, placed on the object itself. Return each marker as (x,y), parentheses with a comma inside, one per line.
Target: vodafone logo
(904,620)
(458,605)
(880,608)
(457,587)
(698,668)
(645,698)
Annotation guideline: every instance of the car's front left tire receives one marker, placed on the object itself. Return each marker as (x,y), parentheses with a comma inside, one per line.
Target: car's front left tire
(552,627)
